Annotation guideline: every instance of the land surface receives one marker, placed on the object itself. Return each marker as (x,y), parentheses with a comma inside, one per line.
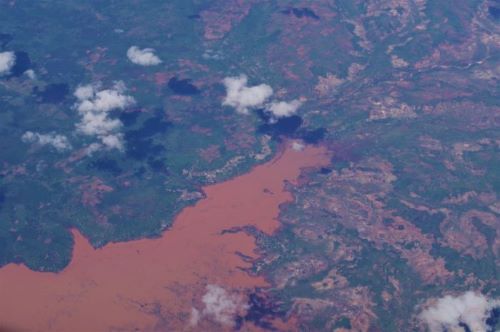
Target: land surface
(402,95)
(154,284)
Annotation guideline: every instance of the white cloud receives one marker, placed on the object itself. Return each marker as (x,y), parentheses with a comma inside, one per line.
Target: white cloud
(297,146)
(94,106)
(113,141)
(469,308)
(221,305)
(31,74)
(7,61)
(242,97)
(281,109)
(98,124)
(85,91)
(93,100)
(59,142)
(144,57)
(93,147)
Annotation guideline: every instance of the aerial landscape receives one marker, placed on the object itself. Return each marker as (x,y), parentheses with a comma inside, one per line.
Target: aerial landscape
(250,165)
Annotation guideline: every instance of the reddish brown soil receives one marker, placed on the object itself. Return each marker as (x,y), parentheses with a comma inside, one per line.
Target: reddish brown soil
(152,284)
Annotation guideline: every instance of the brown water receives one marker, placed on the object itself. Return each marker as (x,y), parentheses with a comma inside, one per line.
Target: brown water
(153,284)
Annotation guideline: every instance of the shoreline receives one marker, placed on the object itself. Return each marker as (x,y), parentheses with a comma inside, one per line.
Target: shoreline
(153,281)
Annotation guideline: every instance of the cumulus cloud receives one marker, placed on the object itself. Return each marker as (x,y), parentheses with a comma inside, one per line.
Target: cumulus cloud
(449,312)
(242,97)
(144,57)
(93,147)
(94,105)
(297,146)
(281,109)
(31,74)
(7,61)
(220,305)
(59,142)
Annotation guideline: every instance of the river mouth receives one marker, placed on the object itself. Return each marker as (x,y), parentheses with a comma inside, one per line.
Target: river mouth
(160,284)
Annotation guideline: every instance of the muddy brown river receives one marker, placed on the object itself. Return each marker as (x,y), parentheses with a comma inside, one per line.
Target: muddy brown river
(154,284)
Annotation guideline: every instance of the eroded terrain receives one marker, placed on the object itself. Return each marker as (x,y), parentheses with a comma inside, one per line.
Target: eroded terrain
(397,227)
